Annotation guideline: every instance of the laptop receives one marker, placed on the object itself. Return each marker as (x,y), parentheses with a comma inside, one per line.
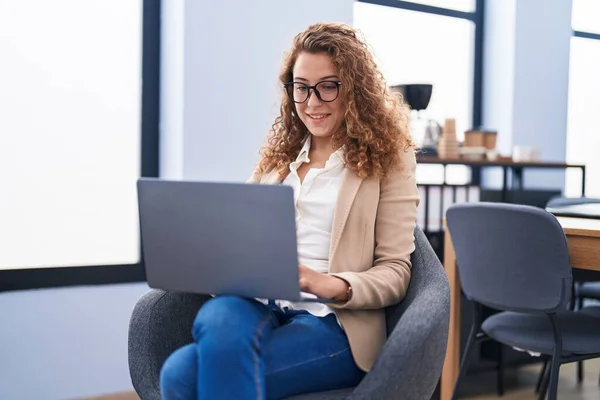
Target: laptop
(220,238)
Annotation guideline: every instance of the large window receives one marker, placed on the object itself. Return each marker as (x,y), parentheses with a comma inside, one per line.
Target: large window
(583,138)
(586,16)
(459,5)
(415,42)
(71,137)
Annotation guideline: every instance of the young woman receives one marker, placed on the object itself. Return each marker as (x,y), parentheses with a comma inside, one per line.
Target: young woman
(342,142)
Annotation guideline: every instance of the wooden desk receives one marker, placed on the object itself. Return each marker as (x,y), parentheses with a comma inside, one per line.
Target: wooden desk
(515,167)
(583,237)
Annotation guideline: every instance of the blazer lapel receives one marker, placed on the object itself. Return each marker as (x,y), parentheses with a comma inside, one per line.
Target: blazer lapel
(350,185)
(272,178)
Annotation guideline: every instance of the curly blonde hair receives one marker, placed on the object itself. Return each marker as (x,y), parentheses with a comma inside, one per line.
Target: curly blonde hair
(376,122)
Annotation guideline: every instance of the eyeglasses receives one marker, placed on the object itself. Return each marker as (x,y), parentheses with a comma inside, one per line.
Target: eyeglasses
(326,91)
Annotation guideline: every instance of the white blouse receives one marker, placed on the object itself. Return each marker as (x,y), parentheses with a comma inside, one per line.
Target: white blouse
(315,200)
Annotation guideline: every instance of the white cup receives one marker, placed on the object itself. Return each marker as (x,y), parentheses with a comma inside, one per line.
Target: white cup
(526,154)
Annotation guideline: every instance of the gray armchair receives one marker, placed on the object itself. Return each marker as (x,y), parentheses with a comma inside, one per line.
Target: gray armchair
(408,367)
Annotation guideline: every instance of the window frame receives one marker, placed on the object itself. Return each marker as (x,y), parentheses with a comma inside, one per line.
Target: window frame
(586,35)
(55,277)
(477,17)
(589,36)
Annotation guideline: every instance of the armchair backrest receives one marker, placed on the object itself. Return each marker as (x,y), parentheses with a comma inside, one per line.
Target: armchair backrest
(428,281)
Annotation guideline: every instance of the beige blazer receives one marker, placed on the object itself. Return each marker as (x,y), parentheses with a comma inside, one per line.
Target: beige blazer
(371,244)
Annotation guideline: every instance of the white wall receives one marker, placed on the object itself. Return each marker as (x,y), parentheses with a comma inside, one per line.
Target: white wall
(526,75)
(72,342)
(542,83)
(65,343)
(230,61)
(499,70)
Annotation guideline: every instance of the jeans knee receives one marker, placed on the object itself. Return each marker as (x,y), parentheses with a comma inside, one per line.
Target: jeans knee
(229,322)
(221,314)
(178,375)
(170,387)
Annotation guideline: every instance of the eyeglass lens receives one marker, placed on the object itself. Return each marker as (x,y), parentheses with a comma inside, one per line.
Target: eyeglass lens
(326,91)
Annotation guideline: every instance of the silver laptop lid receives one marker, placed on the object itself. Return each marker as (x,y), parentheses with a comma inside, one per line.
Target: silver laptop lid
(219,238)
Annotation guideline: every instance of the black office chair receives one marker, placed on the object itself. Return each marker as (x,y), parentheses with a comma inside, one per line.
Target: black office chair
(514,258)
(586,283)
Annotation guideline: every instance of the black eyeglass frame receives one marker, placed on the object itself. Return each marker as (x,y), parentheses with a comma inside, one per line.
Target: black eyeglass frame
(313,88)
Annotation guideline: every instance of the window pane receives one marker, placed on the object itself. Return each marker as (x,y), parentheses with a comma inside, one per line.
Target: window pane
(586,16)
(460,5)
(583,140)
(409,50)
(69,132)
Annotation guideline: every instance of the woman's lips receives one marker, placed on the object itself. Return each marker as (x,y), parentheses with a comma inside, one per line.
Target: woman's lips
(318,118)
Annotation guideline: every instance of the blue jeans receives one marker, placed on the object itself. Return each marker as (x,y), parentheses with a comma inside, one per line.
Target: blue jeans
(244,349)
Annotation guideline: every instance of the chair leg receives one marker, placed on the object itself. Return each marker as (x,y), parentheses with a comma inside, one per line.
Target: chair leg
(475,329)
(544,381)
(538,385)
(580,363)
(554,373)
(556,358)
(500,376)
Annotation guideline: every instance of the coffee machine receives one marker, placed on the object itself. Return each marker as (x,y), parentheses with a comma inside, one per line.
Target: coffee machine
(425,131)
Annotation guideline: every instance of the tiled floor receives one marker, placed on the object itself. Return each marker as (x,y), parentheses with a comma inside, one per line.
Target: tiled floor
(519,385)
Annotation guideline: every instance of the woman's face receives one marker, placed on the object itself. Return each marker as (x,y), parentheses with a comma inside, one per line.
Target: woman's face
(322,117)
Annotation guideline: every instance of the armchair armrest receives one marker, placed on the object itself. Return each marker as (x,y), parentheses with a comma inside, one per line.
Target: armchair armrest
(160,323)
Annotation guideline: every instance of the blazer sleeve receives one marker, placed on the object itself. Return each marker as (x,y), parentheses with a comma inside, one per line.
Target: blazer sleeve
(387,281)
(254,178)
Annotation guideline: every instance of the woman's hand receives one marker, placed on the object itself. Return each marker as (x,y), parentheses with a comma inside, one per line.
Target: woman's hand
(322,285)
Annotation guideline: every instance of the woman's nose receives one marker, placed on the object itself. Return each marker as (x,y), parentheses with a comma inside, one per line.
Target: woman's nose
(313,99)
